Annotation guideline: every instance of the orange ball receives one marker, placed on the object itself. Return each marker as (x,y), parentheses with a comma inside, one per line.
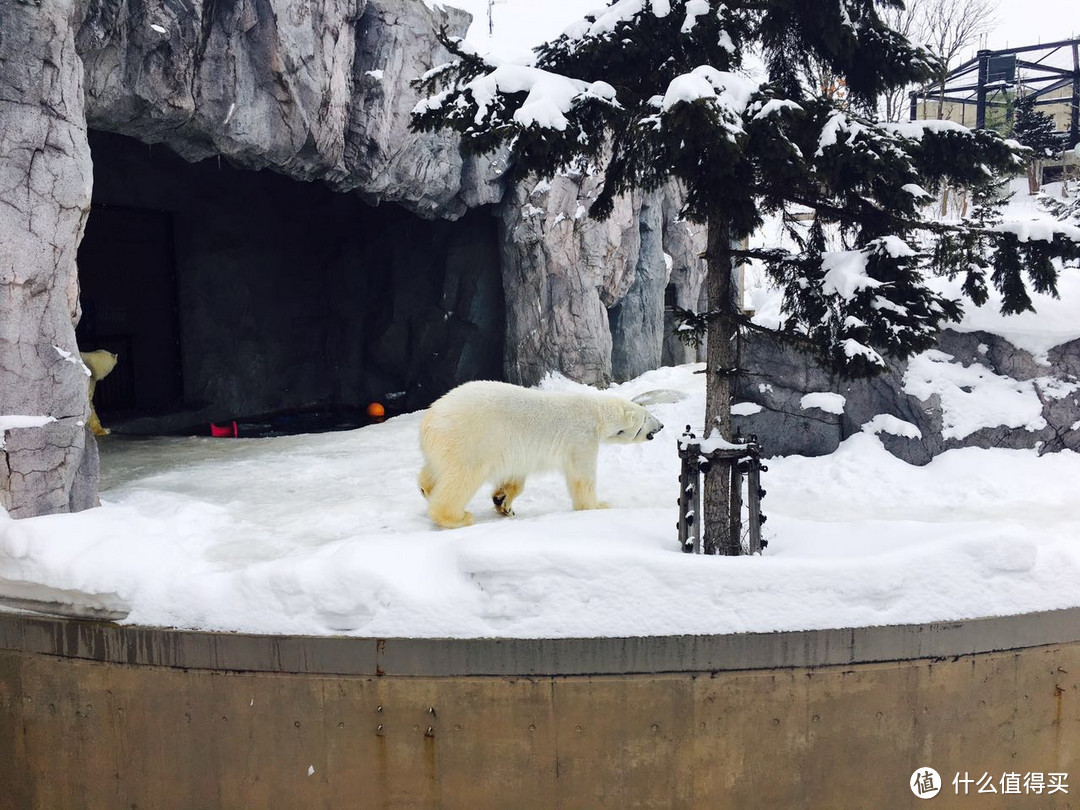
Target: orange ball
(375,410)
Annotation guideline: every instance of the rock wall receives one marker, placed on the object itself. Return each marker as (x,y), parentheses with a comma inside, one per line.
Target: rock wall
(314,89)
(981,379)
(44,195)
(586,298)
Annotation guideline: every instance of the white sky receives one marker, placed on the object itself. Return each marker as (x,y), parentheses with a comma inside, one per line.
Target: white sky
(1029,22)
(522,23)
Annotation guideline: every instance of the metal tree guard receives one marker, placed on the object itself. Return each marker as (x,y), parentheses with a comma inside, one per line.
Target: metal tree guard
(742,458)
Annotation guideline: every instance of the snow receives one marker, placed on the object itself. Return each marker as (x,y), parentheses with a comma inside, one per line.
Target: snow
(973,397)
(1055,320)
(549,96)
(915,130)
(845,273)
(745,409)
(730,91)
(824,401)
(327,534)
(1039,230)
(694,9)
(887,423)
(775,105)
(837,123)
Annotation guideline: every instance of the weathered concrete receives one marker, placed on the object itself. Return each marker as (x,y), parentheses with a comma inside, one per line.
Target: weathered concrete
(78,733)
(437,658)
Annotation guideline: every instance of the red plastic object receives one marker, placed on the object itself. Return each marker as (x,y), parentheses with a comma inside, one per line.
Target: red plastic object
(226,431)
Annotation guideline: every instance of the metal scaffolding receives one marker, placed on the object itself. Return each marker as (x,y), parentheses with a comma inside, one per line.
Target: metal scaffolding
(994,80)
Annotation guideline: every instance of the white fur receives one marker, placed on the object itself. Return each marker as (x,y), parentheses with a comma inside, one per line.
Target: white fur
(501,433)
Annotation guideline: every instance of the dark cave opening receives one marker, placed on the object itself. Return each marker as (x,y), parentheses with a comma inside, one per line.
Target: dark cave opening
(231,294)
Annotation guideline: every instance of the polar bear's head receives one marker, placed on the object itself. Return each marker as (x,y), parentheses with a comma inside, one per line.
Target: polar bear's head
(630,422)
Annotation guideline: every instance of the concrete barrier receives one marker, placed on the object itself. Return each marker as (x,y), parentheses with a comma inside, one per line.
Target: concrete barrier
(97,715)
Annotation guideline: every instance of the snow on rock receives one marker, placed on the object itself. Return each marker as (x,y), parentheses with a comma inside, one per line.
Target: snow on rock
(745,409)
(326,534)
(972,397)
(894,426)
(823,401)
(14,422)
(74,359)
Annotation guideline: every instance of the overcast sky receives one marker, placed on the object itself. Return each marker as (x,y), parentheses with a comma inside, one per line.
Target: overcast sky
(1028,22)
(520,24)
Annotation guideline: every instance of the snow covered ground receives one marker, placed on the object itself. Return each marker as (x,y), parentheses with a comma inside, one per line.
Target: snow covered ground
(327,534)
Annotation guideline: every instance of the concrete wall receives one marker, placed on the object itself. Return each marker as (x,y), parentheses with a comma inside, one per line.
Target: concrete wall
(231,721)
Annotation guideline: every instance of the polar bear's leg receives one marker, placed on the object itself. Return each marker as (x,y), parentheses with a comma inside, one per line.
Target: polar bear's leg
(426,479)
(580,472)
(504,494)
(449,495)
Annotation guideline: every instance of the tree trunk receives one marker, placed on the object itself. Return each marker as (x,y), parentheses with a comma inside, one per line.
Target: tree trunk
(721,362)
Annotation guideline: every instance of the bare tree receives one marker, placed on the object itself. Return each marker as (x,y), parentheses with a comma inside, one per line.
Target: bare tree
(950,28)
(909,20)
(947,28)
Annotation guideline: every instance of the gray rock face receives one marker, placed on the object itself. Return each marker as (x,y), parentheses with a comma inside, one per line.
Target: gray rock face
(586,298)
(784,427)
(45,188)
(560,272)
(314,89)
(684,243)
(266,83)
(637,320)
(383,160)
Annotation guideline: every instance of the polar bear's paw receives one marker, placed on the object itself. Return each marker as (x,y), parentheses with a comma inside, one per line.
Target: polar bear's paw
(501,506)
(449,521)
(426,480)
(583,494)
(504,494)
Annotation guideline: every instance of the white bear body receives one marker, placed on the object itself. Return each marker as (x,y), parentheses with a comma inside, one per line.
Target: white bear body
(501,433)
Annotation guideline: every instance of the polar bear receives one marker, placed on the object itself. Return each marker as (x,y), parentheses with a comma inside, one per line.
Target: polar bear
(501,433)
(99,364)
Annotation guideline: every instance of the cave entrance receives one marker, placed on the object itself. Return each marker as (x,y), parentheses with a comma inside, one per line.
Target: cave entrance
(240,295)
(128,288)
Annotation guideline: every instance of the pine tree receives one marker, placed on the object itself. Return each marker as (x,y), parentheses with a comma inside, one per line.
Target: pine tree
(1036,131)
(650,90)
